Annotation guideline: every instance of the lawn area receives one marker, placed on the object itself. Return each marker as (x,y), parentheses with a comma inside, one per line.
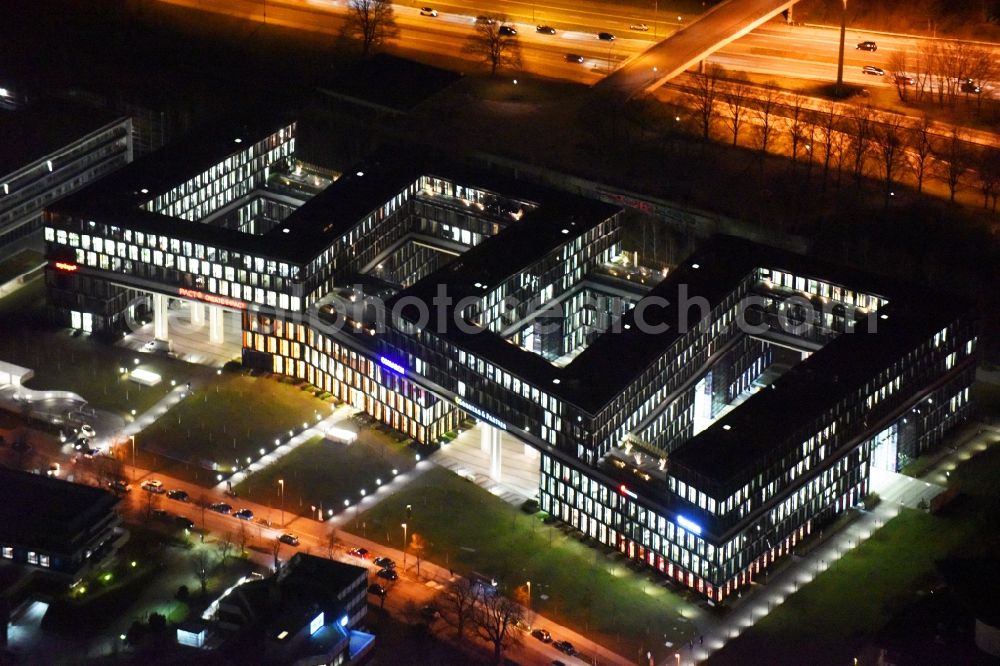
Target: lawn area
(227,420)
(830,619)
(20,263)
(467,529)
(80,364)
(324,473)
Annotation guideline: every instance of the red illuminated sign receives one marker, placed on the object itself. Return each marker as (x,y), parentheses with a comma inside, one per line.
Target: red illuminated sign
(64,266)
(212,298)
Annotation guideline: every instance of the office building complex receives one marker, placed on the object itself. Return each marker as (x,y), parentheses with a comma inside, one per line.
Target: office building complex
(49,150)
(702,421)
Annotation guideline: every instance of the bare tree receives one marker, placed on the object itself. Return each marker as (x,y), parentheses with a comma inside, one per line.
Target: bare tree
(765,107)
(706,94)
(921,151)
(460,598)
(890,144)
(860,128)
(226,546)
(276,554)
(495,616)
(371,22)
(737,99)
(202,569)
(898,61)
(988,175)
(243,537)
(831,136)
(954,156)
(493,43)
(982,68)
(796,123)
(331,542)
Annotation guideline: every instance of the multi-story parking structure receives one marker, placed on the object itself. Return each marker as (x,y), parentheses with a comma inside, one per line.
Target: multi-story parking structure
(702,421)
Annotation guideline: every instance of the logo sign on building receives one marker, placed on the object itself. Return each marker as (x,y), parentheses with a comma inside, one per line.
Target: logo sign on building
(480,414)
(392,365)
(66,266)
(212,298)
(689,525)
(316,624)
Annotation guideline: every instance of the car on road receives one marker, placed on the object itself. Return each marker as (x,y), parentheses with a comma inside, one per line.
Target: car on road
(220,507)
(574,57)
(359,552)
(86,430)
(160,514)
(507,30)
(557,662)
(388,574)
(428,11)
(542,635)
(872,70)
(53,469)
(639,27)
(969,86)
(119,486)
(244,514)
(546,30)
(867,45)
(565,647)
(384,562)
(179,495)
(430,612)
(289,538)
(186,523)
(904,79)
(605,37)
(486,20)
(153,486)
(376,589)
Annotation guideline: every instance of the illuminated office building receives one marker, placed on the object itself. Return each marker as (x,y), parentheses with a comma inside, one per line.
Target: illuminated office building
(703,421)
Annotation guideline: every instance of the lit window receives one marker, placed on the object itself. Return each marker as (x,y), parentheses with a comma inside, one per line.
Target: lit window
(32,557)
(8,552)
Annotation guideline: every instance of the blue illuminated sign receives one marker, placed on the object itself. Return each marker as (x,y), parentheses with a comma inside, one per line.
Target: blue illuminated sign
(689,525)
(392,365)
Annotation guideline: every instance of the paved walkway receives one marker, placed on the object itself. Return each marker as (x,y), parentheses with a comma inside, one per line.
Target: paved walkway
(519,471)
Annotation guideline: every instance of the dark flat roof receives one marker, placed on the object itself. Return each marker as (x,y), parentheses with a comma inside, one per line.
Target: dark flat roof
(39,129)
(45,512)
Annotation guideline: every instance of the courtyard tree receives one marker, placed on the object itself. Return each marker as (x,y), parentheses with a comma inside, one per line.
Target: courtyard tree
(371,23)
(202,563)
(493,43)
(890,145)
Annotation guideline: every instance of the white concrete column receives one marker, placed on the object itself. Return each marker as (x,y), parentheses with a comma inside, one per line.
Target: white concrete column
(495,449)
(484,437)
(215,327)
(531,452)
(197,314)
(160,314)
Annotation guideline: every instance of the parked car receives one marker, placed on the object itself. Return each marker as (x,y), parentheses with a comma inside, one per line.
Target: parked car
(639,27)
(606,36)
(179,495)
(289,538)
(244,514)
(153,486)
(867,45)
(429,612)
(574,57)
(384,562)
(53,469)
(487,20)
(359,552)
(542,635)
(388,574)
(119,486)
(186,523)
(904,79)
(220,507)
(376,589)
(508,30)
(872,70)
(565,646)
(546,30)
(428,11)
(86,430)
(160,514)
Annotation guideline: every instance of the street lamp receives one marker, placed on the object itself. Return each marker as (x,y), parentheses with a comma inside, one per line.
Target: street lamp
(529,595)
(677,656)
(132,437)
(840,58)
(404,546)
(281,484)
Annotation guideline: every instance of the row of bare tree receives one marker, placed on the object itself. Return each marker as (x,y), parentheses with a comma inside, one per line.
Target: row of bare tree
(836,138)
(492,616)
(942,72)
